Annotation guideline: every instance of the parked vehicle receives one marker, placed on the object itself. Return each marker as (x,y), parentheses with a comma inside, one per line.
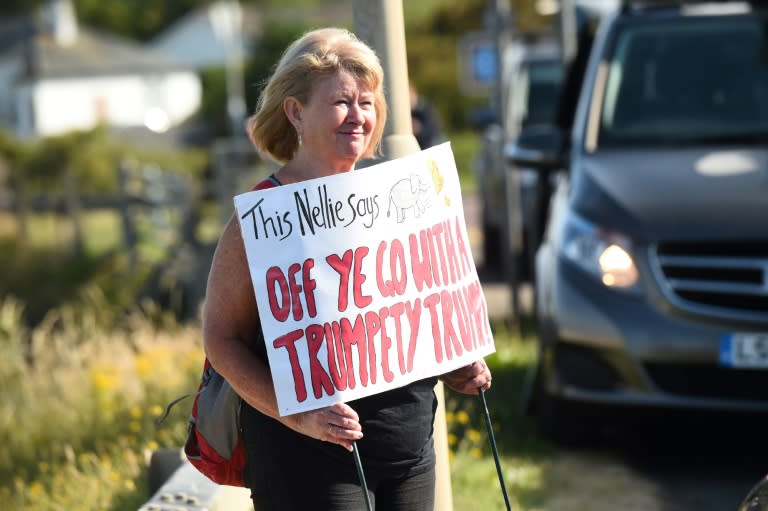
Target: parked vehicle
(652,278)
(532,72)
(757,498)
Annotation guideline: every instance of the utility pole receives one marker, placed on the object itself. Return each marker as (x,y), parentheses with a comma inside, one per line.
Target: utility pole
(499,21)
(227,19)
(380,24)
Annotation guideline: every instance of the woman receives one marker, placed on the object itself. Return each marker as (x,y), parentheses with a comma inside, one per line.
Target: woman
(322,110)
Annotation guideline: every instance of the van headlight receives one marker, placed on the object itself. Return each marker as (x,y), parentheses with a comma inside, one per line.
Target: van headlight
(605,254)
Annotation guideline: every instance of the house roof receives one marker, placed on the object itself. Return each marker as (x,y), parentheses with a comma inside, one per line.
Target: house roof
(193,37)
(92,53)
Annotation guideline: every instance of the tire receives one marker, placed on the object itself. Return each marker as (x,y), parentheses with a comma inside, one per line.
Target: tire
(563,422)
(162,465)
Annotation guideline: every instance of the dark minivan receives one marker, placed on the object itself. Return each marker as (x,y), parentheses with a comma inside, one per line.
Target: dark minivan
(652,278)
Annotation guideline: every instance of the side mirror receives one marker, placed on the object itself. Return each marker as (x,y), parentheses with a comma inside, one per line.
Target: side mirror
(757,498)
(539,147)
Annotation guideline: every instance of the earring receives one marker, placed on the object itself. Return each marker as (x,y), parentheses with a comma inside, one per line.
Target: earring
(298,137)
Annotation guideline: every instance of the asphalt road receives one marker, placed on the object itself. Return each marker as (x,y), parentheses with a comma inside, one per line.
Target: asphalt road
(697,462)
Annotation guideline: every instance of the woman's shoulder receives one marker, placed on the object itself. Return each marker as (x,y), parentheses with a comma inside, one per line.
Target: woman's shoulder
(269,182)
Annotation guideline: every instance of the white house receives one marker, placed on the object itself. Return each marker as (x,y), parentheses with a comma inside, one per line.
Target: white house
(211,36)
(59,76)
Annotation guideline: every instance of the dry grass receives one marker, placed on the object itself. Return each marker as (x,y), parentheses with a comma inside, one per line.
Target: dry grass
(79,404)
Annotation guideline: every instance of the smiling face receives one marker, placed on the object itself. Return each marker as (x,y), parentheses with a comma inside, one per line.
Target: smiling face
(336,123)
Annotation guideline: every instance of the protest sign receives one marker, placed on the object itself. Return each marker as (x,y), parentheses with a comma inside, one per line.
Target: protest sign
(365,280)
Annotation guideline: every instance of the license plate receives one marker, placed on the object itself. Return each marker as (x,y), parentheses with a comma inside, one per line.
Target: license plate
(745,350)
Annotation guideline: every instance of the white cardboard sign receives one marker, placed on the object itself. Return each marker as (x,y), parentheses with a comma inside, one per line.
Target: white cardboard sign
(364,281)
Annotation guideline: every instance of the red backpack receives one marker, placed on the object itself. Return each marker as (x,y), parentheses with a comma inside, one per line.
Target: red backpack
(213,443)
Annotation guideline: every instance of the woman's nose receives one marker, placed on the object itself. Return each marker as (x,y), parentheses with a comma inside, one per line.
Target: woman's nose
(355,114)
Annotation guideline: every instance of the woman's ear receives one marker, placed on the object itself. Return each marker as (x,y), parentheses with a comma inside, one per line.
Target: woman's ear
(293,110)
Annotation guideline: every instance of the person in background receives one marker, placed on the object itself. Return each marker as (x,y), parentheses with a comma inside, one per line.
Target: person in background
(426,124)
(321,111)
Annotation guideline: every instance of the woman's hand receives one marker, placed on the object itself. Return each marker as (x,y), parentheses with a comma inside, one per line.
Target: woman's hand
(469,379)
(338,424)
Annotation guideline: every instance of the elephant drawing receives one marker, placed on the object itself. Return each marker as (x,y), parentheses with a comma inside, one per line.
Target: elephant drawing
(409,193)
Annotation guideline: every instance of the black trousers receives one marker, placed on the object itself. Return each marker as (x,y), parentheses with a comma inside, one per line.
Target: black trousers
(285,473)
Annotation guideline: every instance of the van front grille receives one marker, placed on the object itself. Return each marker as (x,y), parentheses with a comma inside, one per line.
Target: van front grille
(728,279)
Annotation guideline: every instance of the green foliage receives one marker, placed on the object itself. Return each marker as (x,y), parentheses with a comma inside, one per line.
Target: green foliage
(257,69)
(433,66)
(138,19)
(81,397)
(214,100)
(92,157)
(268,49)
(464,145)
(44,255)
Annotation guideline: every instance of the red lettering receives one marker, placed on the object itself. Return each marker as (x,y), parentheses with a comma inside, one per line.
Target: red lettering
(397,269)
(386,289)
(298,310)
(372,327)
(462,246)
(288,341)
(433,257)
(431,303)
(420,267)
(469,304)
(437,236)
(320,379)
(336,364)
(280,310)
(361,300)
(414,318)
(450,251)
(309,287)
(450,339)
(397,266)
(355,336)
(462,319)
(343,266)
(480,315)
(386,344)
(395,312)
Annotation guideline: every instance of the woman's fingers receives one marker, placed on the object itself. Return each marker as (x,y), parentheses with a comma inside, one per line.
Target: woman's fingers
(338,424)
(469,379)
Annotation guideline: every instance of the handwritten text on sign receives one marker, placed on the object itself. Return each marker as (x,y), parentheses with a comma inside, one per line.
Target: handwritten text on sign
(364,281)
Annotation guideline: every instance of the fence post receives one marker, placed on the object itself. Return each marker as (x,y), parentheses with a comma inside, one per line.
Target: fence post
(124,208)
(72,204)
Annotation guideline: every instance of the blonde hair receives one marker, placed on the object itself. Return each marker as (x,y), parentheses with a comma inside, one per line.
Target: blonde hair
(317,54)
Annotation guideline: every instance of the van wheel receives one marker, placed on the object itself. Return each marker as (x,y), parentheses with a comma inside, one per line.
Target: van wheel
(162,464)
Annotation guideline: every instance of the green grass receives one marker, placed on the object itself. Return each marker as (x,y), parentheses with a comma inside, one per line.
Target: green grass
(523,454)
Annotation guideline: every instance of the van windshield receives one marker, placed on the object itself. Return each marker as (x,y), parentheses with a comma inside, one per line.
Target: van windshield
(687,81)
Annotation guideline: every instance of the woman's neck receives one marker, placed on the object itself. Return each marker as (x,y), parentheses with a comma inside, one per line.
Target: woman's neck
(297,170)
